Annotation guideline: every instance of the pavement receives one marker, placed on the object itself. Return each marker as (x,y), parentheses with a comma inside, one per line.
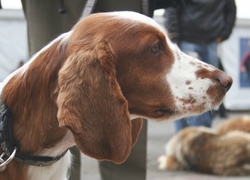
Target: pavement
(158,135)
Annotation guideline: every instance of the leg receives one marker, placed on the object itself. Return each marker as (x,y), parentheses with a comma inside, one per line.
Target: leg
(181,124)
(134,168)
(45,23)
(76,164)
(222,111)
(210,56)
(191,49)
(204,119)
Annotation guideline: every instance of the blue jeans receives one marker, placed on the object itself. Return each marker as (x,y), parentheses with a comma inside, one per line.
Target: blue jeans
(206,52)
(204,119)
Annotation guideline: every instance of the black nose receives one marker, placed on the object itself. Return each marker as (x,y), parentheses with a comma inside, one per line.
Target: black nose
(225,81)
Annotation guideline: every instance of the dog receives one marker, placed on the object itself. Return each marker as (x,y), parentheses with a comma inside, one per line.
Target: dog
(223,151)
(240,123)
(92,86)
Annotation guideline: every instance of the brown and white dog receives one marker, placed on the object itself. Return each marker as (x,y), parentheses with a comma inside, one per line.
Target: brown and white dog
(221,151)
(86,86)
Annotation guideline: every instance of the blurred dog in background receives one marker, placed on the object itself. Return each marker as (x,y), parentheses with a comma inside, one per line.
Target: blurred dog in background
(222,151)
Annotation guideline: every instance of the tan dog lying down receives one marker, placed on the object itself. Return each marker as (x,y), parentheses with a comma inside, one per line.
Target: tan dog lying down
(224,151)
(241,123)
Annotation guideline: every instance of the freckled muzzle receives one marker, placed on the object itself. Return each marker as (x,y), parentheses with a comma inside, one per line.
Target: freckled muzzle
(196,86)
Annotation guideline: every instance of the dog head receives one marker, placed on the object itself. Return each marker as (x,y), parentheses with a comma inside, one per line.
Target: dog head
(122,65)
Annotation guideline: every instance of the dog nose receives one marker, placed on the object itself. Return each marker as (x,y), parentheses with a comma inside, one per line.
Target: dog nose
(225,81)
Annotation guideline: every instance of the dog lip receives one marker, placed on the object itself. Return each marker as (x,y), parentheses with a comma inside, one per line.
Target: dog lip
(166,111)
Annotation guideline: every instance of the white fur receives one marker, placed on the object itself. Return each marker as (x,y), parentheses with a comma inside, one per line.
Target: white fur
(59,170)
(162,160)
(183,70)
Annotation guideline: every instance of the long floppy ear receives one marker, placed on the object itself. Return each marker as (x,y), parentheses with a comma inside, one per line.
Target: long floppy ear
(92,106)
(136,128)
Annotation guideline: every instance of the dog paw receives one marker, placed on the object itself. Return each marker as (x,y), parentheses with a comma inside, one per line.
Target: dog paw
(162,160)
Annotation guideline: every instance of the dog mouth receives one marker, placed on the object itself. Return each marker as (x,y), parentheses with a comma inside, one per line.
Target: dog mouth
(165,112)
(154,113)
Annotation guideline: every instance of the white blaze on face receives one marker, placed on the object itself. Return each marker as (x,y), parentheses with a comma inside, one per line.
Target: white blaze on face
(189,91)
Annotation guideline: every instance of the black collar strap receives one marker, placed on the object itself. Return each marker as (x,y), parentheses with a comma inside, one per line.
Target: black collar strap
(8,145)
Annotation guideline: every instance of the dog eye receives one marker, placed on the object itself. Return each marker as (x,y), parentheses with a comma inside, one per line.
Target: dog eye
(155,48)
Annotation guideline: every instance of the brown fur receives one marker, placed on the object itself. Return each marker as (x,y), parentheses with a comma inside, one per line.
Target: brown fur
(48,97)
(208,151)
(25,95)
(89,82)
(241,123)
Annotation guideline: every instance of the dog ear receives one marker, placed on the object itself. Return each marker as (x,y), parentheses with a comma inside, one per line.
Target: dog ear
(92,106)
(136,128)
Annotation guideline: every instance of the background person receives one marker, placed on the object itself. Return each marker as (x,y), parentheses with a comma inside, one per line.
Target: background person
(245,62)
(197,26)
